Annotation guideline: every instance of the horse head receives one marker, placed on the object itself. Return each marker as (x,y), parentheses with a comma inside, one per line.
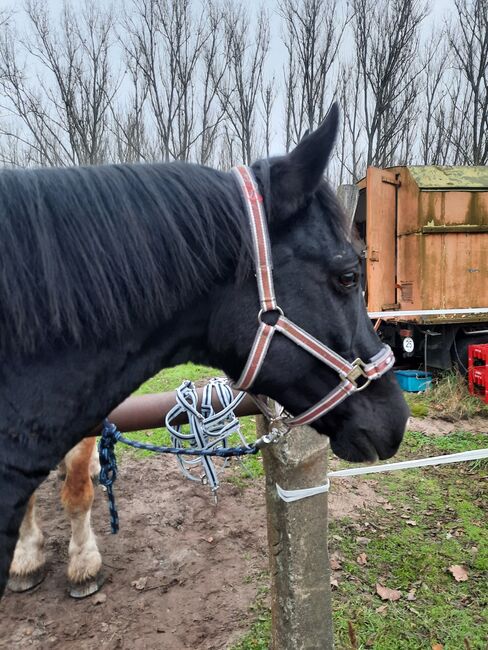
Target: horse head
(318,286)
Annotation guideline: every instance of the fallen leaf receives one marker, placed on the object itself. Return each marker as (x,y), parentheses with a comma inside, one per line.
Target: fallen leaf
(333,582)
(411,595)
(362,559)
(352,635)
(459,572)
(335,564)
(387,594)
(381,609)
(363,540)
(437,646)
(411,522)
(140,583)
(388,506)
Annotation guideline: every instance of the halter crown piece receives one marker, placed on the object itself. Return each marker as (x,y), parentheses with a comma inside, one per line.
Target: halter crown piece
(348,372)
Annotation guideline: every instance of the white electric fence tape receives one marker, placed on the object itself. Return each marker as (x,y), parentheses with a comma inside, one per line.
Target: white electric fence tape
(296,495)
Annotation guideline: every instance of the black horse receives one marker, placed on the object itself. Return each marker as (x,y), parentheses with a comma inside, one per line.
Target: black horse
(110,273)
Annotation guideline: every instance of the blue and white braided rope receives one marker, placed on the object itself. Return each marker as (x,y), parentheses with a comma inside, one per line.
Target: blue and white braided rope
(209,430)
(208,437)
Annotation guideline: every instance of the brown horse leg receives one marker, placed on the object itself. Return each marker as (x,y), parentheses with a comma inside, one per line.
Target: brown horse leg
(77,496)
(28,565)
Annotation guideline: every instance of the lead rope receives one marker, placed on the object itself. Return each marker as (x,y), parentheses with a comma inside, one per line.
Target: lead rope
(208,429)
(208,437)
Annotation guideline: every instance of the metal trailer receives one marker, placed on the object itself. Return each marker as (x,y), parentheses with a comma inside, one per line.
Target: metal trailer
(425,235)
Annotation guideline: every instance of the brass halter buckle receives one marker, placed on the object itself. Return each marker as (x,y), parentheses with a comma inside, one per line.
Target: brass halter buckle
(356,372)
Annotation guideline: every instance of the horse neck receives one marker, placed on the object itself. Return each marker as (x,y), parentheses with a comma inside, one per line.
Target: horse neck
(184,337)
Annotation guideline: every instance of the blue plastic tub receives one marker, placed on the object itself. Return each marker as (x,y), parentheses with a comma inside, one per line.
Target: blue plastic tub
(413,381)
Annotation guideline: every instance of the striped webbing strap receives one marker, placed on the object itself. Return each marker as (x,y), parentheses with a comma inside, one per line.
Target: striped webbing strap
(349,372)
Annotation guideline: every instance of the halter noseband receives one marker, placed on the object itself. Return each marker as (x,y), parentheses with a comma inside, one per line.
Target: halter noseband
(348,372)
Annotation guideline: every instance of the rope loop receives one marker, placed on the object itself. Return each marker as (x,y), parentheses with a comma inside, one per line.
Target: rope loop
(207,438)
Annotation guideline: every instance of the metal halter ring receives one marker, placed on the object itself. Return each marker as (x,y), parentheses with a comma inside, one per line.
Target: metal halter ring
(266,311)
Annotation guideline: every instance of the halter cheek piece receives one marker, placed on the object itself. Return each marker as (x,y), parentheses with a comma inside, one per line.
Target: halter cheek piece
(348,372)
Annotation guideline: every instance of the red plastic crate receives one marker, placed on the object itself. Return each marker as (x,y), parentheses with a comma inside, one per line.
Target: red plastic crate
(477,353)
(478,370)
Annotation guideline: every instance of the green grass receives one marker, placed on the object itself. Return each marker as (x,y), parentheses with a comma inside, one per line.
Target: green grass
(416,442)
(171,378)
(448,398)
(448,508)
(417,404)
(260,631)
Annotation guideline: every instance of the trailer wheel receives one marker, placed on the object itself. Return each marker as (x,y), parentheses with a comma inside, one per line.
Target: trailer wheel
(459,350)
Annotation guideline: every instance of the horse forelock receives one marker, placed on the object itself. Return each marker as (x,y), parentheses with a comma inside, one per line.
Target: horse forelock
(88,251)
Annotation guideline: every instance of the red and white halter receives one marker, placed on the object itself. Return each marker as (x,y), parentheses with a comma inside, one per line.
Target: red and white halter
(347,371)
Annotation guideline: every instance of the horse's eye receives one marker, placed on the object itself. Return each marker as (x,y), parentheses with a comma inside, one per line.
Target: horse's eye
(348,279)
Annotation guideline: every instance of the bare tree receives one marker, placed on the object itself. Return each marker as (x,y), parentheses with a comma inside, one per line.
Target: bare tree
(268,97)
(245,52)
(128,123)
(174,52)
(468,41)
(433,144)
(350,152)
(312,33)
(386,36)
(63,108)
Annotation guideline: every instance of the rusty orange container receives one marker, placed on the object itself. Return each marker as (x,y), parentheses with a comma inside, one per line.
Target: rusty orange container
(425,233)
(426,236)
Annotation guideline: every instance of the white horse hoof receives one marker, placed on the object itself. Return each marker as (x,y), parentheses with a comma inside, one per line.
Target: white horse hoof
(26,582)
(87,587)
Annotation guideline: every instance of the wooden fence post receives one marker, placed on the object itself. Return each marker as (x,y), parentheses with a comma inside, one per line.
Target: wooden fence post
(297,541)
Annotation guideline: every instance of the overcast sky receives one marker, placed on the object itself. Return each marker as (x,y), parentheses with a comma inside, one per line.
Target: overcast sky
(439,10)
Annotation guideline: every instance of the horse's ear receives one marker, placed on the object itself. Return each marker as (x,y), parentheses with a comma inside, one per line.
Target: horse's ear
(297,175)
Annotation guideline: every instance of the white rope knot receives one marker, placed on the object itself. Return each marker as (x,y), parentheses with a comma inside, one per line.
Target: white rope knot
(296,495)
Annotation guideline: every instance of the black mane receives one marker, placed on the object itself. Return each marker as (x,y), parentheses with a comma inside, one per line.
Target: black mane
(93,249)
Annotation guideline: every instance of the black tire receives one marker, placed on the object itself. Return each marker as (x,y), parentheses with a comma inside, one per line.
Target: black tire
(459,349)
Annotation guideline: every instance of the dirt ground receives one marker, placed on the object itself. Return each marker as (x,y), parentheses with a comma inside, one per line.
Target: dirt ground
(435,427)
(179,575)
